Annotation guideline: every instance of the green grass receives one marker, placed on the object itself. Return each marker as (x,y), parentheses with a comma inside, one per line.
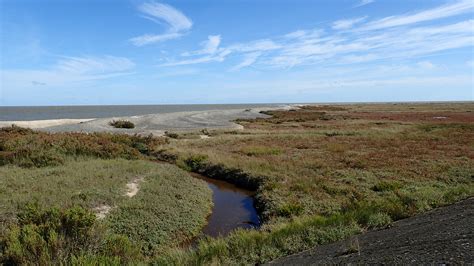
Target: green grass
(249,247)
(169,208)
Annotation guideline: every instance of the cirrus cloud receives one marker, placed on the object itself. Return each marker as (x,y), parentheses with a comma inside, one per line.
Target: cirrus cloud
(175,20)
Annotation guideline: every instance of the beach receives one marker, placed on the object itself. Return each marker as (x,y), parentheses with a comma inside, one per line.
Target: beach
(156,124)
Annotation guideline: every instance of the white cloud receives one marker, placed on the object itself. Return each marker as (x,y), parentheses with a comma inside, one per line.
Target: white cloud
(347,23)
(249,59)
(93,65)
(212,53)
(470,63)
(254,46)
(219,57)
(175,20)
(364,2)
(154,38)
(295,34)
(210,46)
(426,65)
(448,10)
(318,47)
(351,59)
(70,70)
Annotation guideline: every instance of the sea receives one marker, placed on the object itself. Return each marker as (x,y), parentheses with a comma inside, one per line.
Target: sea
(27,113)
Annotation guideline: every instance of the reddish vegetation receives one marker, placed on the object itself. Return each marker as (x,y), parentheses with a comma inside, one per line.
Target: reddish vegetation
(28,148)
(432,117)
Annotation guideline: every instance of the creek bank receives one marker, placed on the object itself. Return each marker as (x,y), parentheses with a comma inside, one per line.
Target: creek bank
(233,208)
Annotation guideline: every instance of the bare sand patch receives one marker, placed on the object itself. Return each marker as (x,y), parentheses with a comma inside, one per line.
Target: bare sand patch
(101,211)
(36,124)
(133,187)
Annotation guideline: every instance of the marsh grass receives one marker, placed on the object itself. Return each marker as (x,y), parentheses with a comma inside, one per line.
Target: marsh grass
(260,151)
(28,148)
(371,164)
(169,208)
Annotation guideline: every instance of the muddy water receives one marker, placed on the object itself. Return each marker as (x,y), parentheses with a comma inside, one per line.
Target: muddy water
(233,208)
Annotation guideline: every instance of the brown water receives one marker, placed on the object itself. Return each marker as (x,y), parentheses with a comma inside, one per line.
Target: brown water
(233,208)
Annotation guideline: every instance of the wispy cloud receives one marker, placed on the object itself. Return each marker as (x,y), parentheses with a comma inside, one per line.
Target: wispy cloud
(93,65)
(210,46)
(154,38)
(177,23)
(176,20)
(217,57)
(211,51)
(426,65)
(347,23)
(69,70)
(351,41)
(364,2)
(447,10)
(249,59)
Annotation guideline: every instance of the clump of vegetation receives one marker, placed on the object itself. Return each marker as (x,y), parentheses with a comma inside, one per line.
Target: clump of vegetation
(28,148)
(122,124)
(172,135)
(47,236)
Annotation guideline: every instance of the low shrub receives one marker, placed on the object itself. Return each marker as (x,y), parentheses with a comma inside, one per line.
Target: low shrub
(53,236)
(171,135)
(195,162)
(378,220)
(122,124)
(28,148)
(290,209)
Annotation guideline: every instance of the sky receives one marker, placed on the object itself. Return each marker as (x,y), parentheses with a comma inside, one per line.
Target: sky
(71,52)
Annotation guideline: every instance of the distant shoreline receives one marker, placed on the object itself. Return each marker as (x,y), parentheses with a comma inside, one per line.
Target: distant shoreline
(156,124)
(33,113)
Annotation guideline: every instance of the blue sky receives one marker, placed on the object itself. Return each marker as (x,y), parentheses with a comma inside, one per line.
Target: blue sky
(176,52)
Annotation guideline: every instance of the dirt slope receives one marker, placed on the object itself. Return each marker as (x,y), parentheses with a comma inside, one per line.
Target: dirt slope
(441,236)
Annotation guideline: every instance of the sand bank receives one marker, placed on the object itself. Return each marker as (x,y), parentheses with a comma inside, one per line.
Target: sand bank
(155,124)
(38,124)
